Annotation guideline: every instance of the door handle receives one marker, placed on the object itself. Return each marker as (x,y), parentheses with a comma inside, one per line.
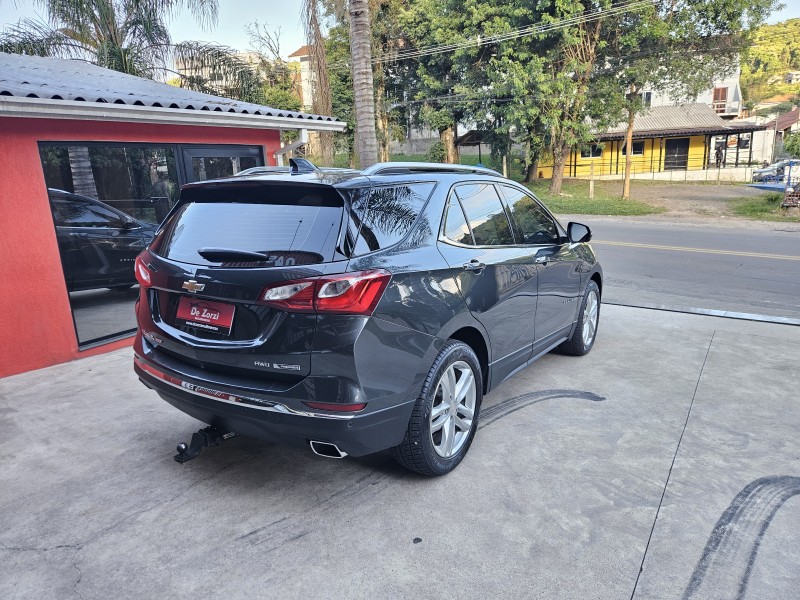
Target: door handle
(474,265)
(542,260)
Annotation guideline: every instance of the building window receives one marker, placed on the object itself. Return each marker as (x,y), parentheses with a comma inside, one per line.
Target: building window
(720,99)
(593,151)
(638,149)
(107,201)
(647,99)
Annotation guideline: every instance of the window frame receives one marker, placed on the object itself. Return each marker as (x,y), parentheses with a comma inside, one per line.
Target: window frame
(562,234)
(624,148)
(591,152)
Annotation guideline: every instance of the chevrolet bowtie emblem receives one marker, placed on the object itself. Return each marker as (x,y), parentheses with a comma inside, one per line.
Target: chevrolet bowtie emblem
(193,286)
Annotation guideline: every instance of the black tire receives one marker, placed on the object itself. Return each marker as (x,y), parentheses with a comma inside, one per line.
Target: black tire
(416,452)
(575,345)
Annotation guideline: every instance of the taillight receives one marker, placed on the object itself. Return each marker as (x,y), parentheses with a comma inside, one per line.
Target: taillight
(142,272)
(348,293)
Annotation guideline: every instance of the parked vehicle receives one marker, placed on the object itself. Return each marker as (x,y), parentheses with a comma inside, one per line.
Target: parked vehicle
(98,243)
(354,312)
(776,172)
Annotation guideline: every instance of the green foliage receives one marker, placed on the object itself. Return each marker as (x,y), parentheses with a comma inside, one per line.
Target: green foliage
(436,153)
(764,208)
(791,145)
(775,50)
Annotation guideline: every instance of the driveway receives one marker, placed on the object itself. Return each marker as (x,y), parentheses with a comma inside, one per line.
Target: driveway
(665,464)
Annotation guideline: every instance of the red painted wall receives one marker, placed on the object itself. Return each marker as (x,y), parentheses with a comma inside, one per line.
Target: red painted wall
(36,328)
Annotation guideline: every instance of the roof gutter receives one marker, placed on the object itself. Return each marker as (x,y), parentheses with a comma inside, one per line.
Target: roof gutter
(45,108)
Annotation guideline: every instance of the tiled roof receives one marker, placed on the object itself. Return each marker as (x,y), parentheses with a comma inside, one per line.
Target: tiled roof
(302,51)
(683,119)
(785,120)
(61,79)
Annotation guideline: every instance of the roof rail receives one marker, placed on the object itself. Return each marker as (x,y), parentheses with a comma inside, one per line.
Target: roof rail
(400,168)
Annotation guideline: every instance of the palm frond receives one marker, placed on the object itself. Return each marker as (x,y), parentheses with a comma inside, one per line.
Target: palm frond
(205,66)
(39,39)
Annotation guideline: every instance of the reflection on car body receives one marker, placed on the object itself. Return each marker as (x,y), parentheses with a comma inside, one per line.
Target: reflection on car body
(98,243)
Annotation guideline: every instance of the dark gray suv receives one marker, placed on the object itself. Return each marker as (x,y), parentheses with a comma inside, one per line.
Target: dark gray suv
(358,311)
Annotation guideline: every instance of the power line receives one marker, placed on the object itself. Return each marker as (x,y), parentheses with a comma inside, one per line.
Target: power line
(527,31)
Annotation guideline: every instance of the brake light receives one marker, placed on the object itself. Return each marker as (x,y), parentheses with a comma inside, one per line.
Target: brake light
(348,293)
(142,272)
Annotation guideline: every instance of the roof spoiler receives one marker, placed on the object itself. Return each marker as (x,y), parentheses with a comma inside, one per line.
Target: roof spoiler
(301,165)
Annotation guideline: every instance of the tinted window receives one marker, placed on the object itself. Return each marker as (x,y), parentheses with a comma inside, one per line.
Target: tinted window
(533,224)
(287,234)
(485,214)
(79,213)
(455,227)
(384,215)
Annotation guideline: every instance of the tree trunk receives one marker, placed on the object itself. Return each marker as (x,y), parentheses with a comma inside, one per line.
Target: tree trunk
(530,171)
(81,167)
(361,58)
(626,185)
(448,139)
(382,121)
(321,101)
(560,154)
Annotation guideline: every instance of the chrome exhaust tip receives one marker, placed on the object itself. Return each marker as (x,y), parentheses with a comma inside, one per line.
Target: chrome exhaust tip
(326,449)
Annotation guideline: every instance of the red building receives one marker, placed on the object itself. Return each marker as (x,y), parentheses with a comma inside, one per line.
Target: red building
(91,159)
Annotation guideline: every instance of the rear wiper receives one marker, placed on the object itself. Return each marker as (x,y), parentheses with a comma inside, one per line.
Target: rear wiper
(230,254)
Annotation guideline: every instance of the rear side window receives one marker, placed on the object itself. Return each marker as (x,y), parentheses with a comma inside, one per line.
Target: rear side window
(295,233)
(485,214)
(382,216)
(534,225)
(455,225)
(79,213)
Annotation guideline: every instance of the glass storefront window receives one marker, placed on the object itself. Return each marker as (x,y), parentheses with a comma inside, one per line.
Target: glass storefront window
(107,201)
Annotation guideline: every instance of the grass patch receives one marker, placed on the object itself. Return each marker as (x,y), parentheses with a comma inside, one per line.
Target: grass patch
(764,208)
(605,202)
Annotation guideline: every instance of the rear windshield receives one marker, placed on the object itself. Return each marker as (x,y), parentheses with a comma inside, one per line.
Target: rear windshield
(302,232)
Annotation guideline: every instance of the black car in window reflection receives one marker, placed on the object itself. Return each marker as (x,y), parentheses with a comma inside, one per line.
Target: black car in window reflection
(98,243)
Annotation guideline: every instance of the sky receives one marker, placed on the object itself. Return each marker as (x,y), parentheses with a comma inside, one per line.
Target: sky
(235,15)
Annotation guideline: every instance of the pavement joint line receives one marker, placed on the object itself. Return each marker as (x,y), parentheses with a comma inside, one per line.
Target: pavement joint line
(672,464)
(700,250)
(709,312)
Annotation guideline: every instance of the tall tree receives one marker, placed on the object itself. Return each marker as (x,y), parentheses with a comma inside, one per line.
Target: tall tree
(363,86)
(321,143)
(679,46)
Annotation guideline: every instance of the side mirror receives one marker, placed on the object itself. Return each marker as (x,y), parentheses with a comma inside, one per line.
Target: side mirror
(578,233)
(130,225)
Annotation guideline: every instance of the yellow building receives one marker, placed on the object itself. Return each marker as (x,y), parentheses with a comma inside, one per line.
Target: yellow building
(665,138)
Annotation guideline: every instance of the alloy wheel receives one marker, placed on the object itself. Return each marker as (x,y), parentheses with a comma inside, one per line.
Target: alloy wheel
(453,409)
(590,315)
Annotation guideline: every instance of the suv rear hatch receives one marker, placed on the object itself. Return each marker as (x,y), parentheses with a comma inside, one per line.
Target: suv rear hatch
(215,255)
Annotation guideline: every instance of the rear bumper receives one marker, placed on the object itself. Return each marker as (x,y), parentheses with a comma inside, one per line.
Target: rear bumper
(276,421)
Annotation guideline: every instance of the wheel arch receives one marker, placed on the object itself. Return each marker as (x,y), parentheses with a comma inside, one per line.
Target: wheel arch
(473,338)
(598,279)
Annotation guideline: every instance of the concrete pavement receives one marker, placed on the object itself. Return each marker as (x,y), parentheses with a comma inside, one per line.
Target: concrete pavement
(672,447)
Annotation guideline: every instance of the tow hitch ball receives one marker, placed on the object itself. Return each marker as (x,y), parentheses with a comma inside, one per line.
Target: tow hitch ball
(208,436)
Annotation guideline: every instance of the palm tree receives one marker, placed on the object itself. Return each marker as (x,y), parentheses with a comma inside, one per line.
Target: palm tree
(131,36)
(361,57)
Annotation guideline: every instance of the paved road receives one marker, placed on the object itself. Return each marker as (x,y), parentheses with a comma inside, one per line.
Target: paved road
(683,265)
